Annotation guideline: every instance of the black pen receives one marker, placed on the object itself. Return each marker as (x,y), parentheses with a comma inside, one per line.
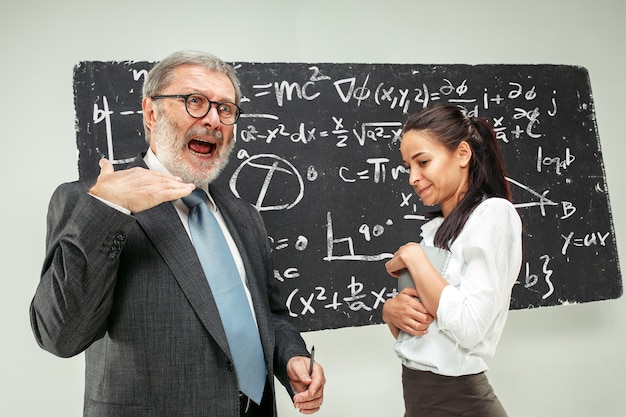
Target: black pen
(312,360)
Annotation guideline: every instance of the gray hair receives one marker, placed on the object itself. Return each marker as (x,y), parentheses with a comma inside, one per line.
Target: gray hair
(160,76)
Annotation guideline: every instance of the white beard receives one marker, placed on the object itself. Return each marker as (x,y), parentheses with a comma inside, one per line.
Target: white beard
(170,150)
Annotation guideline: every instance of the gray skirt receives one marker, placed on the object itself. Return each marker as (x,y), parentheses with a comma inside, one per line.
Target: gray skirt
(430,395)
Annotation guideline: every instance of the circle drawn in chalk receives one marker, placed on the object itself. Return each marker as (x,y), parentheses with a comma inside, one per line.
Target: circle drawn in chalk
(268,181)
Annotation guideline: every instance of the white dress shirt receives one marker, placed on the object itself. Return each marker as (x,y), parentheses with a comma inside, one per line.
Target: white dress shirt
(484,264)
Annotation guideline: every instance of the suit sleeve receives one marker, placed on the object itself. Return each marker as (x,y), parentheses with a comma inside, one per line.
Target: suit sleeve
(288,341)
(73,299)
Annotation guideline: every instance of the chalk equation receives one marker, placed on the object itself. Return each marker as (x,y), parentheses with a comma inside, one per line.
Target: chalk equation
(354,297)
(317,154)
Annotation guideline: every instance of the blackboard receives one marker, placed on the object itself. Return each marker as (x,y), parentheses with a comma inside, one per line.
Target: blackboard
(317,153)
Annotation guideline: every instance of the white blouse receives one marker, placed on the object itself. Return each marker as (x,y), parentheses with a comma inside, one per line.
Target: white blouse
(484,264)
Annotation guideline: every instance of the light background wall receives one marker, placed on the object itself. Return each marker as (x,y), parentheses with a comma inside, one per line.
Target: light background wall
(558,361)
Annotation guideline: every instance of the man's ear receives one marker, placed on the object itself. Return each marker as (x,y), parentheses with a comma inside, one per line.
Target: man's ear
(464,154)
(149,117)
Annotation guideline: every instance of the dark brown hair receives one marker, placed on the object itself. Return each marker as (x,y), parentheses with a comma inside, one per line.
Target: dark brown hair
(487,175)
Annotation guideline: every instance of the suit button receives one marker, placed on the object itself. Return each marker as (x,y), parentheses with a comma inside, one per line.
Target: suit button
(229,366)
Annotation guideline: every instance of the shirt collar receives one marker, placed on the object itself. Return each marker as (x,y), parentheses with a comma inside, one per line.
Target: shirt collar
(430,228)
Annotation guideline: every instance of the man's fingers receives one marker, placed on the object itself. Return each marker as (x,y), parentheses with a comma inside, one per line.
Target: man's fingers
(106,167)
(310,400)
(137,189)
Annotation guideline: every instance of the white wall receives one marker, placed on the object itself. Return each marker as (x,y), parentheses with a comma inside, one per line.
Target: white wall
(559,361)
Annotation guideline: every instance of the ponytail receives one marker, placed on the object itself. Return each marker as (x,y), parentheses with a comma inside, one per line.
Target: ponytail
(488,160)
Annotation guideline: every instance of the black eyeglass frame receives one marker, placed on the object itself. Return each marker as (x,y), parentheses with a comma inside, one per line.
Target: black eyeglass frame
(185,97)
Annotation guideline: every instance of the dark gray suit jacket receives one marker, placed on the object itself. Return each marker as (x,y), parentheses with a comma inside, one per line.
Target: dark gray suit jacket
(129,290)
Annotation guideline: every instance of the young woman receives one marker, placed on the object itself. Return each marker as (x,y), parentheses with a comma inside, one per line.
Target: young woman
(450,323)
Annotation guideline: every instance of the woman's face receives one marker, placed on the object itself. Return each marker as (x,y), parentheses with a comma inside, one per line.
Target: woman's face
(437,175)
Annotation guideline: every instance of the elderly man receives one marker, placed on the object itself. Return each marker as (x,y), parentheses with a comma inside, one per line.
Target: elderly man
(165,281)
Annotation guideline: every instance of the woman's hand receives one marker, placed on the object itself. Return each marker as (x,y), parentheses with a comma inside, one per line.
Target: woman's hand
(429,283)
(407,313)
(410,253)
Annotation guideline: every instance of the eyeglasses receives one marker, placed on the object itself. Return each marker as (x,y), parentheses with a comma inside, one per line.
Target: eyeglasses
(199,106)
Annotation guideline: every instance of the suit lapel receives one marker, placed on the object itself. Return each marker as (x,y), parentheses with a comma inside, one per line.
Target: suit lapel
(163,227)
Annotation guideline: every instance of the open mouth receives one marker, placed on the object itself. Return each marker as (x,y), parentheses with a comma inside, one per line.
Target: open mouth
(201,147)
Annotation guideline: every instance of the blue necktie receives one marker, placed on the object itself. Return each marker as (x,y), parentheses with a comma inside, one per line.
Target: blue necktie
(221,272)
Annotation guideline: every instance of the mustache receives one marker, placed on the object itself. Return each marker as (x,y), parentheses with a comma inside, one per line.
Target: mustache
(201,131)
